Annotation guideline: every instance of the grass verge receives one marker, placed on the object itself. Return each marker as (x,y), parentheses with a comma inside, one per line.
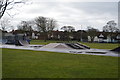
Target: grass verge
(41,64)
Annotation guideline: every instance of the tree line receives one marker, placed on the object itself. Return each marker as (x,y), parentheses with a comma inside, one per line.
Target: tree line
(46,26)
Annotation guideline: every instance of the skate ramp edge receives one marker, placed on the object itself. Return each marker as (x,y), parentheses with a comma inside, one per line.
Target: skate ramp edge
(23,43)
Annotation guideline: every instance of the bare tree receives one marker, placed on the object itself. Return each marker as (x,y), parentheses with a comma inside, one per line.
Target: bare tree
(68,28)
(4,4)
(92,32)
(5,24)
(25,26)
(67,31)
(45,25)
(51,24)
(41,23)
(110,27)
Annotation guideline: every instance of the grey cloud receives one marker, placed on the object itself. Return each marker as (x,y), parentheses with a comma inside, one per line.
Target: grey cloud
(99,7)
(72,13)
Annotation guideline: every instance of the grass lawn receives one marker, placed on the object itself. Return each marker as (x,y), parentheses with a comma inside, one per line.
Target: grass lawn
(92,45)
(102,45)
(40,64)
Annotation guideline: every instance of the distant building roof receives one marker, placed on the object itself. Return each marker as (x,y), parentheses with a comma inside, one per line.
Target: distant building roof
(101,36)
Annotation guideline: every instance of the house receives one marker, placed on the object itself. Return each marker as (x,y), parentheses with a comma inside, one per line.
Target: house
(34,35)
(105,37)
(96,39)
(108,37)
(100,38)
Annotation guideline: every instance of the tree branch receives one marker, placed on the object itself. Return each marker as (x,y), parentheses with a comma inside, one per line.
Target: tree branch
(4,9)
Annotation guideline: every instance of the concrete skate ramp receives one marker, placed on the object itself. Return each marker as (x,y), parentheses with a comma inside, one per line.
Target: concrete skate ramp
(64,46)
(82,45)
(56,45)
(77,46)
(74,46)
(23,43)
(116,49)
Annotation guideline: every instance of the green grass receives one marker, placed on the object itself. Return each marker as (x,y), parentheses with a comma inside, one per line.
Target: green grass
(40,64)
(102,45)
(92,45)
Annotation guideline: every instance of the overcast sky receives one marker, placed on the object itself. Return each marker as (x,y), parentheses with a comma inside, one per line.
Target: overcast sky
(73,12)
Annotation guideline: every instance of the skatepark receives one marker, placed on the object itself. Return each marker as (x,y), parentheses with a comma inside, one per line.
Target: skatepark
(21,42)
(73,48)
